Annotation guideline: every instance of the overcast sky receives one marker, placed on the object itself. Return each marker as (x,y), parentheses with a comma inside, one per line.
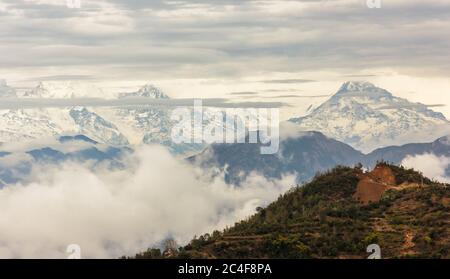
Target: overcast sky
(204,48)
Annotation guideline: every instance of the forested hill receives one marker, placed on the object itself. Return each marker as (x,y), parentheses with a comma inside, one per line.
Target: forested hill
(338,215)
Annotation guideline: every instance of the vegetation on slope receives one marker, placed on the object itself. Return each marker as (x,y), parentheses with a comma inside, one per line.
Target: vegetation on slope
(324,220)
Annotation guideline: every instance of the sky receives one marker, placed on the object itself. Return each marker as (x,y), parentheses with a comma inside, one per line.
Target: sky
(298,52)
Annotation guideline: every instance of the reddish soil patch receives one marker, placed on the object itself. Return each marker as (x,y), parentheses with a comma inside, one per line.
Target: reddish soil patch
(383,175)
(372,186)
(369,191)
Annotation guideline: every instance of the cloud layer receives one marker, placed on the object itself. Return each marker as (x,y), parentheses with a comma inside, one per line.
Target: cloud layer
(432,166)
(110,214)
(166,39)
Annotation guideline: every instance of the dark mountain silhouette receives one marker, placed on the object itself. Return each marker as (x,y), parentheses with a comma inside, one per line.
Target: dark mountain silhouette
(304,156)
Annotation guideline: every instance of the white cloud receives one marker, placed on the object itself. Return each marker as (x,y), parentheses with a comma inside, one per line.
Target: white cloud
(110,214)
(432,166)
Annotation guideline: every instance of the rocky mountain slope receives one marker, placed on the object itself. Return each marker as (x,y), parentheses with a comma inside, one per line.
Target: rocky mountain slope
(368,117)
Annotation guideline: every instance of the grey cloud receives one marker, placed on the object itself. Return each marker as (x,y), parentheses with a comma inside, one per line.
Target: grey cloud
(61,78)
(406,105)
(358,76)
(202,39)
(298,96)
(243,93)
(288,81)
(282,90)
(162,4)
(43,10)
(27,103)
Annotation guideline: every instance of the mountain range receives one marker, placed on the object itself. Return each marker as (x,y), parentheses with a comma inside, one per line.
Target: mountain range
(115,126)
(360,114)
(110,125)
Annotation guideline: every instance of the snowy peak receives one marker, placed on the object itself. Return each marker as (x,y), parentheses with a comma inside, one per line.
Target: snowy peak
(65,90)
(147,91)
(362,89)
(151,91)
(70,90)
(359,86)
(96,127)
(6,91)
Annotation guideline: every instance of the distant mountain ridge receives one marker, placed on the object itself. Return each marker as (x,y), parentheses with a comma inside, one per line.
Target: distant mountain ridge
(305,156)
(77,148)
(396,154)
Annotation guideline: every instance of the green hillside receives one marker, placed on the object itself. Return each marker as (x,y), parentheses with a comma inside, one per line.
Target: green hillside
(408,217)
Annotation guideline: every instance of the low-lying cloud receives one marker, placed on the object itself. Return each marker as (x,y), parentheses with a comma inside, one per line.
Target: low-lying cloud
(432,166)
(115,213)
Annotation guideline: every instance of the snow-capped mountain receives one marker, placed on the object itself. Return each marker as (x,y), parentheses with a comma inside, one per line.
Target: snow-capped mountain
(116,126)
(98,128)
(65,90)
(28,124)
(148,90)
(360,114)
(368,117)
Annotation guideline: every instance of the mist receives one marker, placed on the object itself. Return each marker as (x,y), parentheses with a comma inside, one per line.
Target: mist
(115,213)
(432,166)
